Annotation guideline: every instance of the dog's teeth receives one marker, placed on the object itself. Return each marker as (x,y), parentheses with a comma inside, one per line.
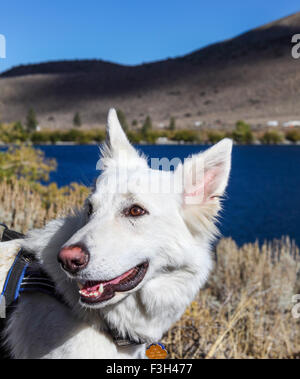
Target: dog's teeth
(85,293)
(80,285)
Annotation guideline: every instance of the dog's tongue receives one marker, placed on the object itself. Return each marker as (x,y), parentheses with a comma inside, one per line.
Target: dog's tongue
(92,286)
(96,291)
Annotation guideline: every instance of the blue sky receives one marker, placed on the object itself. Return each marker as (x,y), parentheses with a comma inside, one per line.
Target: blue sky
(125,31)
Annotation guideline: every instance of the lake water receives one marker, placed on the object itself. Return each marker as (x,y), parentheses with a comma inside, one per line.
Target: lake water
(263,196)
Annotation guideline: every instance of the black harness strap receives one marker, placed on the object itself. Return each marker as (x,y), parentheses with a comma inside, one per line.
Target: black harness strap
(8,235)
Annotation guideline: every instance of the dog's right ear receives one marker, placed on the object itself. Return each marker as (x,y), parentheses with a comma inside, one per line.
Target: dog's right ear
(117,148)
(203,179)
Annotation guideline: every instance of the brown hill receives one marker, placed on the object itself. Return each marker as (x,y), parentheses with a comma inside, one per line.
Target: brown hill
(251,77)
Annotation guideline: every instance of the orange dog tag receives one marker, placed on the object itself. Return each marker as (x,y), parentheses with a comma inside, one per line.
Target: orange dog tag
(156,351)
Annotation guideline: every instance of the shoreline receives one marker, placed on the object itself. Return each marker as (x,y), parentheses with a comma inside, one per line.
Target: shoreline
(181,143)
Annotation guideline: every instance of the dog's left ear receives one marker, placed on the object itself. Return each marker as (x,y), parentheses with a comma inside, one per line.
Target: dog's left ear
(204,176)
(117,148)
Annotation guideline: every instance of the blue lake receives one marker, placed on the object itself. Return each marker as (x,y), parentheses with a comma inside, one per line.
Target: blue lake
(263,196)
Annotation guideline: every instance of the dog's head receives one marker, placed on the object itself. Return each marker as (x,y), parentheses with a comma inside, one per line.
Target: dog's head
(141,225)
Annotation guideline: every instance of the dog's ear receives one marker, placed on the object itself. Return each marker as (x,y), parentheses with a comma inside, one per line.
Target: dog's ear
(204,176)
(117,146)
(116,139)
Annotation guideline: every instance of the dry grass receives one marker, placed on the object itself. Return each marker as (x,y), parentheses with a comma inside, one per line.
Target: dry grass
(24,207)
(245,309)
(243,312)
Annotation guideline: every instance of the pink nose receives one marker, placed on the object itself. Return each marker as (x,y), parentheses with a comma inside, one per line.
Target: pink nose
(73,258)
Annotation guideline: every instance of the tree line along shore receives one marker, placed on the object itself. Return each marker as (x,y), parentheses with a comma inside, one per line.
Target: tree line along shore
(242,133)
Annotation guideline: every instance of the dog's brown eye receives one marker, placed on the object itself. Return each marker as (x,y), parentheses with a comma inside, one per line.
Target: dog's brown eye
(134,211)
(90,209)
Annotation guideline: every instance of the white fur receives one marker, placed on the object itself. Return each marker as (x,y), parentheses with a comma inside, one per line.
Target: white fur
(174,237)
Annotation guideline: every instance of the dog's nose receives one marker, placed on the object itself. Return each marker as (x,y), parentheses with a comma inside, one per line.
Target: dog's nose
(73,258)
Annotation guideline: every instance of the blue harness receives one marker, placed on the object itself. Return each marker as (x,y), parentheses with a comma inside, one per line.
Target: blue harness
(25,275)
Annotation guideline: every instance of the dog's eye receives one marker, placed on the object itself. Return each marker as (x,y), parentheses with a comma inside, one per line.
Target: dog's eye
(134,211)
(90,209)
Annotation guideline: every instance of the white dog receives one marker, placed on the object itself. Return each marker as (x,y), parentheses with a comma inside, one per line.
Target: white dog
(131,261)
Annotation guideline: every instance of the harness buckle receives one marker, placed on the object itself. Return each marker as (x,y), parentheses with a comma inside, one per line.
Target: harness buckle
(2,306)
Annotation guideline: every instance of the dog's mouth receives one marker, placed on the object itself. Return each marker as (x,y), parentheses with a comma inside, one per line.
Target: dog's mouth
(92,292)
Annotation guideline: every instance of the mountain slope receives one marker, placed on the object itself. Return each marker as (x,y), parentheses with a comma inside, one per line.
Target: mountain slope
(251,77)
